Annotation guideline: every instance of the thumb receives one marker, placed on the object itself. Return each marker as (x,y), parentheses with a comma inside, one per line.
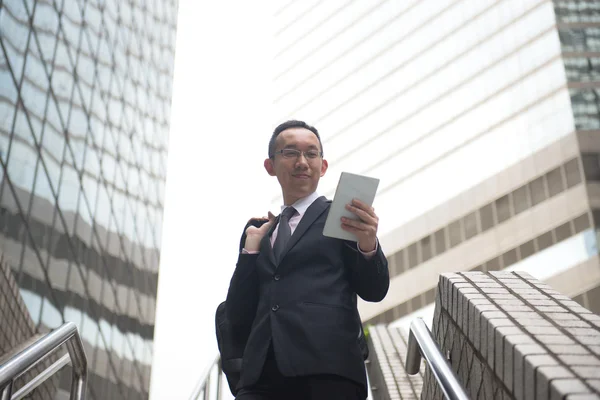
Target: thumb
(271,217)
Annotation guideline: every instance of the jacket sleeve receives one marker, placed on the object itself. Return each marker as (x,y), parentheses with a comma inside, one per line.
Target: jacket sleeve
(370,277)
(242,295)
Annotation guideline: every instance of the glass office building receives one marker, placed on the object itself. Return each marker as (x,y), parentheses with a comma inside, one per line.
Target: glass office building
(481,119)
(85,97)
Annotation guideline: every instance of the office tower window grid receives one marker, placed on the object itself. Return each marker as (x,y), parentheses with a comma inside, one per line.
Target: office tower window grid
(85,96)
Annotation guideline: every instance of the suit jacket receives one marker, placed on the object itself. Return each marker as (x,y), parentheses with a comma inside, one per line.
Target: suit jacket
(306,304)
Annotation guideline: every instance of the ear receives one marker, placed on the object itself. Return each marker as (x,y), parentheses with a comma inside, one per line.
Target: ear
(269,166)
(324,166)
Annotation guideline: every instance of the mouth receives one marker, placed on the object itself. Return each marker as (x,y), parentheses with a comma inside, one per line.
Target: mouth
(301,176)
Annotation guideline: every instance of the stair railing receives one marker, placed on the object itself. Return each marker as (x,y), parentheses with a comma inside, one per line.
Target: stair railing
(204,384)
(422,344)
(25,359)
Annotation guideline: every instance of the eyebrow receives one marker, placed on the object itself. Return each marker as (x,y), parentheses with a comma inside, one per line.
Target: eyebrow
(293,146)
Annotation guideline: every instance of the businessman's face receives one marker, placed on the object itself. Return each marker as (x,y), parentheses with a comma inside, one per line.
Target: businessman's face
(298,172)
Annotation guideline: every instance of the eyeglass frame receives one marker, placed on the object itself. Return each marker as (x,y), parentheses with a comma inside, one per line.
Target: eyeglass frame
(298,152)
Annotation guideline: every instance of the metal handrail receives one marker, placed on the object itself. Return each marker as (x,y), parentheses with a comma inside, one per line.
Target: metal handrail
(203,386)
(22,361)
(422,344)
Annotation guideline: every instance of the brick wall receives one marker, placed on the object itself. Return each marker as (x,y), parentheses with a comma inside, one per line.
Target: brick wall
(17,330)
(387,356)
(511,336)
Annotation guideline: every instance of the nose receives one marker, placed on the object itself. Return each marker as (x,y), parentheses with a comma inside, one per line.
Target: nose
(302,161)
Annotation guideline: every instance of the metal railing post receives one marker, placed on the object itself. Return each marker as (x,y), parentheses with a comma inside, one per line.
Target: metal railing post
(422,344)
(7,391)
(219,381)
(24,359)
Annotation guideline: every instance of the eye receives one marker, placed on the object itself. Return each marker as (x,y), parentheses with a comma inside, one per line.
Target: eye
(289,153)
(312,154)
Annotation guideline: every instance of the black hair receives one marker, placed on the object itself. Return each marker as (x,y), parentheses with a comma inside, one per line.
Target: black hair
(287,125)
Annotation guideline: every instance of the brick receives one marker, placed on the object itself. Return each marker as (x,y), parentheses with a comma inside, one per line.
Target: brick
(575,324)
(582,331)
(486,307)
(502,332)
(516,308)
(579,309)
(542,330)
(559,388)
(521,351)
(562,316)
(580,359)
(509,302)
(508,353)
(525,276)
(507,296)
(568,349)
(496,291)
(533,366)
(594,384)
(595,349)
(554,339)
(473,315)
(502,274)
(487,285)
(591,317)
(539,303)
(551,309)
(533,322)
(587,372)
(589,340)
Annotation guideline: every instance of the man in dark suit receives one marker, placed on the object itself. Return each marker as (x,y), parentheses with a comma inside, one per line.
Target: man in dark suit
(295,289)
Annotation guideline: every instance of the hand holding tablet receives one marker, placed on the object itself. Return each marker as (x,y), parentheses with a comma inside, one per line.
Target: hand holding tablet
(350,186)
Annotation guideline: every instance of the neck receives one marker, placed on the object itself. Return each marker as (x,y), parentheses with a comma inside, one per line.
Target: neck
(288,200)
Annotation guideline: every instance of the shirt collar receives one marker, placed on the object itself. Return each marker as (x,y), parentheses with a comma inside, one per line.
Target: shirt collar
(302,204)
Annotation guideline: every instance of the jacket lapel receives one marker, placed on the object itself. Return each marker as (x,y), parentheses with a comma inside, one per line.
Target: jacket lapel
(312,213)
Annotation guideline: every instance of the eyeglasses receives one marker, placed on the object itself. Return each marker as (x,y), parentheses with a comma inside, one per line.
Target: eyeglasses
(293,153)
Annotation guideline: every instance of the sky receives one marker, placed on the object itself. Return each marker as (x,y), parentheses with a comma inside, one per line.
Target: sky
(220,126)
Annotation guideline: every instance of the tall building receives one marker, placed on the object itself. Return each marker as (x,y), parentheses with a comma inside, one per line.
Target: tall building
(85,97)
(481,119)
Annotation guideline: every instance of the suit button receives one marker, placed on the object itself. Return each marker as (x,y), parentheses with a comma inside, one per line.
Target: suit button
(275,308)
(276,277)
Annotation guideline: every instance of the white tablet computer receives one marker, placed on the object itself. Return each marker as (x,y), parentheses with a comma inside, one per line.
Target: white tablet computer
(350,186)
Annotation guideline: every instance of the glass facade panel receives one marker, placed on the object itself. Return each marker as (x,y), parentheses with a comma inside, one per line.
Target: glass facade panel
(69,153)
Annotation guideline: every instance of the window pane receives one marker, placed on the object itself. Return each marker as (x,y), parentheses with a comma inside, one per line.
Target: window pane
(555,182)
(493,264)
(544,241)
(563,232)
(538,191)
(399,262)
(527,249)
(470,225)
(581,223)
(502,209)
(509,258)
(572,173)
(412,255)
(440,241)
(455,233)
(426,248)
(591,167)
(486,215)
(521,199)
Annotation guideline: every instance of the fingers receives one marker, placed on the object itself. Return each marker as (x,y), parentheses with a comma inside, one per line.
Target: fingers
(355,226)
(271,216)
(360,205)
(367,216)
